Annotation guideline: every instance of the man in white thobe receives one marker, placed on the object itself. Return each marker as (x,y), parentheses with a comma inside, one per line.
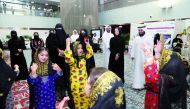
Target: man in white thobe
(107,35)
(138,56)
(74,36)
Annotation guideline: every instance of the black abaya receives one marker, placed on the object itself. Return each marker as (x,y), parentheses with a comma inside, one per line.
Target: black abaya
(117,66)
(17,57)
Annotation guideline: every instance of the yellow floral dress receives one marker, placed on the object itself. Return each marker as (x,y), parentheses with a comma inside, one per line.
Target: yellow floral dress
(78,77)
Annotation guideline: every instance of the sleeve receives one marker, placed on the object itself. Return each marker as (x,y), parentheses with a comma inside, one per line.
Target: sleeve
(12,48)
(152,78)
(42,43)
(90,52)
(57,74)
(133,49)
(69,57)
(122,48)
(22,44)
(33,79)
(31,45)
(112,49)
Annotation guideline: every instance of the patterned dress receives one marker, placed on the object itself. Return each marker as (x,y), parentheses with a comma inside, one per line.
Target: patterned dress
(152,78)
(78,77)
(44,91)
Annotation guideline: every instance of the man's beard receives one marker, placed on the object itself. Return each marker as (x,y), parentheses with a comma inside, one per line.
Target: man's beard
(108,31)
(141,34)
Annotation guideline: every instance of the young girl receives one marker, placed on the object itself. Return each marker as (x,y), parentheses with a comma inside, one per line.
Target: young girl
(78,72)
(152,79)
(42,77)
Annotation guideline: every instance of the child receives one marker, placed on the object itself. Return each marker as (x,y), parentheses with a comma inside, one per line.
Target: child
(42,77)
(152,79)
(78,72)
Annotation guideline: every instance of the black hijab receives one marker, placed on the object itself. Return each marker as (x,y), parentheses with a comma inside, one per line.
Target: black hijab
(14,34)
(61,36)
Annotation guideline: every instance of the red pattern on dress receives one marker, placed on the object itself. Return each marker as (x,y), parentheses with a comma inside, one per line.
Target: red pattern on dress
(152,78)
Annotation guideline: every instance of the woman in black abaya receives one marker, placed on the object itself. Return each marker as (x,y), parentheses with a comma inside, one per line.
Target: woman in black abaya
(17,57)
(116,60)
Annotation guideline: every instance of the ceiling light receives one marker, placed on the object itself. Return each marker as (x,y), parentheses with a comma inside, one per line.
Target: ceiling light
(46,4)
(32,1)
(39,8)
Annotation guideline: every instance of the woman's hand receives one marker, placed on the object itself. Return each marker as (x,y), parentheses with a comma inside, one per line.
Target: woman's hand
(148,53)
(68,42)
(64,103)
(20,50)
(88,87)
(34,68)
(56,67)
(116,56)
(61,53)
(16,68)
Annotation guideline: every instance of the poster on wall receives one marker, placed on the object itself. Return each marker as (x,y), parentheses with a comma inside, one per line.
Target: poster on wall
(166,28)
(98,32)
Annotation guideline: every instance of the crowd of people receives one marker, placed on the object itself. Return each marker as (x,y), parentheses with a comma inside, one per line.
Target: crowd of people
(63,74)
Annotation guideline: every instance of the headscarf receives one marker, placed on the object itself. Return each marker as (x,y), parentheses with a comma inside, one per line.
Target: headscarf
(36,36)
(142,28)
(14,34)
(107,91)
(75,47)
(61,35)
(107,27)
(42,67)
(119,31)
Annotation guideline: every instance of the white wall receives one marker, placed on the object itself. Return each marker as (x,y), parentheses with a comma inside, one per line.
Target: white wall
(28,21)
(142,12)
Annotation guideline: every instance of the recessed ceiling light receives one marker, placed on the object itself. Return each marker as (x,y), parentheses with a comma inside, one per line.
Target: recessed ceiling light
(130,1)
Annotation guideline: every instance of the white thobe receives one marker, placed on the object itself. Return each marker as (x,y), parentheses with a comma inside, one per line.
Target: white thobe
(139,58)
(106,45)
